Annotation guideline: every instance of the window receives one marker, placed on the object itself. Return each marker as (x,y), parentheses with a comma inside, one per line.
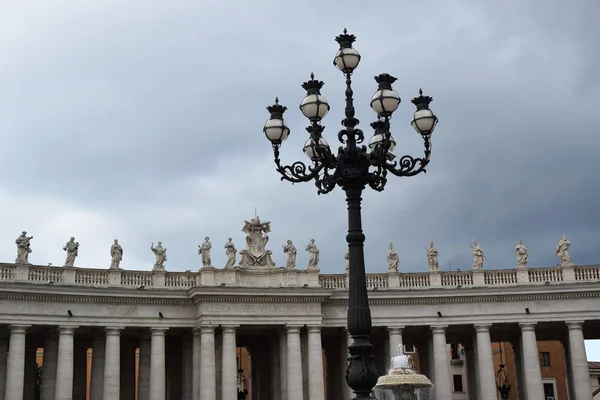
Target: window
(409,348)
(455,353)
(548,390)
(598,380)
(458,386)
(544,359)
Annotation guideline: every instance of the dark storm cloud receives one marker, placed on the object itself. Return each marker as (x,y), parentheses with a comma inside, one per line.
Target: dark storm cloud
(146,120)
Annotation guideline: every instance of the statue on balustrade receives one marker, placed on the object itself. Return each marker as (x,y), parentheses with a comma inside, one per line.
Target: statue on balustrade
(72,249)
(313,255)
(161,256)
(393,259)
(204,252)
(432,258)
(116,255)
(23,248)
(290,251)
(562,252)
(347,258)
(257,235)
(478,256)
(230,252)
(522,255)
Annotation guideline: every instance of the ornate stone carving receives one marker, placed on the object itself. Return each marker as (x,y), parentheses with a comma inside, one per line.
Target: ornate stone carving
(562,251)
(230,252)
(23,248)
(290,251)
(393,259)
(161,256)
(116,255)
(204,252)
(347,258)
(478,256)
(72,249)
(522,255)
(432,257)
(313,255)
(255,254)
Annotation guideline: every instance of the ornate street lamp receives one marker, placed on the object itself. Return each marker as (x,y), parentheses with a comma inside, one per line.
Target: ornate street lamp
(353,169)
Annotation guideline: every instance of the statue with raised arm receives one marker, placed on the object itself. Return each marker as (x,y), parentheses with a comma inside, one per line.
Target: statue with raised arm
(478,256)
(23,248)
(161,256)
(393,259)
(562,251)
(116,255)
(347,258)
(230,252)
(522,255)
(204,251)
(313,255)
(432,258)
(72,249)
(290,251)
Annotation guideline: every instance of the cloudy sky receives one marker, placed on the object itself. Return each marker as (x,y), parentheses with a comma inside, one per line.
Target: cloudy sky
(142,121)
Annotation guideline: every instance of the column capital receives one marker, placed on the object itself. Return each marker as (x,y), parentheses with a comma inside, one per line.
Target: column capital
(482,327)
(229,328)
(395,330)
(207,329)
(527,326)
(293,328)
(314,328)
(158,331)
(22,329)
(574,325)
(113,331)
(67,330)
(439,329)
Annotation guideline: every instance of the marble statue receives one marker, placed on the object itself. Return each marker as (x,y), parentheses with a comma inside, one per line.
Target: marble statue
(230,252)
(116,255)
(23,248)
(393,259)
(313,255)
(161,256)
(522,255)
(478,256)
(72,249)
(562,251)
(204,252)
(347,258)
(257,235)
(290,250)
(432,257)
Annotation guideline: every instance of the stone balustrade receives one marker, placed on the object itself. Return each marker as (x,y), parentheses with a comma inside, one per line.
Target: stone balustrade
(280,277)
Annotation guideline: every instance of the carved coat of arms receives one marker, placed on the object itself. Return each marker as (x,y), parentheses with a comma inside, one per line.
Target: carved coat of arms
(257,236)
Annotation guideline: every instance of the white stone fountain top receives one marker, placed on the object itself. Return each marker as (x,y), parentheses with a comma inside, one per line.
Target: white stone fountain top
(402,373)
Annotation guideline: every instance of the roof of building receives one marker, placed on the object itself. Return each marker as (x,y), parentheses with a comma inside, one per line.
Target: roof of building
(594,364)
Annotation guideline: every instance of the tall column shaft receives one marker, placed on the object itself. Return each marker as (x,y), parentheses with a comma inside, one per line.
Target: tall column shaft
(64,369)
(97,380)
(187,366)
(157,365)
(197,348)
(441,366)
(49,364)
(531,362)
(15,374)
(395,340)
(316,386)
(485,363)
(112,365)
(581,377)
(229,367)
(294,364)
(144,368)
(283,363)
(208,381)
(519,375)
(3,359)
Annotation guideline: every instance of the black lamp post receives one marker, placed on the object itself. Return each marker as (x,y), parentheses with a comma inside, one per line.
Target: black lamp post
(353,169)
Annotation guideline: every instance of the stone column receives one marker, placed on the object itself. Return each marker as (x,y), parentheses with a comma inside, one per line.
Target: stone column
(229,367)
(208,379)
(15,374)
(471,367)
(3,359)
(581,376)
(283,363)
(49,364)
(187,367)
(64,369)
(441,366)
(197,356)
(97,380)
(519,376)
(485,363)
(395,340)
(316,387)
(157,365)
(80,376)
(112,365)
(294,364)
(531,362)
(144,368)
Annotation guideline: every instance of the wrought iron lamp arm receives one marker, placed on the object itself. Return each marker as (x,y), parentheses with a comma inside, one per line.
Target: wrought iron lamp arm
(409,165)
(297,172)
